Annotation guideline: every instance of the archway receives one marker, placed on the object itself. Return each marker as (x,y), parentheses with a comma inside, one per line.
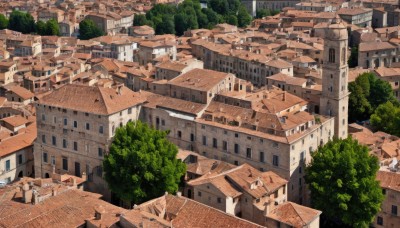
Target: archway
(47,175)
(21,174)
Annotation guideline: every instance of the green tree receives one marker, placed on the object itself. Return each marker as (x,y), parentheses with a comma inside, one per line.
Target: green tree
(232,19)
(243,17)
(88,30)
(212,17)
(342,181)
(359,106)
(380,92)
(167,25)
(367,92)
(219,6)
(21,22)
(142,164)
(387,118)
(260,13)
(275,12)
(41,28)
(353,59)
(52,28)
(3,22)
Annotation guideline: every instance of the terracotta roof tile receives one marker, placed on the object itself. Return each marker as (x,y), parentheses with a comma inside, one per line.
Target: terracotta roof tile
(97,100)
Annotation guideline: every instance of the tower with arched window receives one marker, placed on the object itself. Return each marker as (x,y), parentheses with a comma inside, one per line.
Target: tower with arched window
(335,96)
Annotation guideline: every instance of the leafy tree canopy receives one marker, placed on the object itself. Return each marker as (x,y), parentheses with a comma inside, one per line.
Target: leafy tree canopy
(367,92)
(342,181)
(3,22)
(142,164)
(50,28)
(387,118)
(21,22)
(260,13)
(88,30)
(353,59)
(190,15)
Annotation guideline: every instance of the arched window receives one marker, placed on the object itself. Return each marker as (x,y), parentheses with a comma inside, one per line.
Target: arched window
(331,55)
(343,55)
(367,63)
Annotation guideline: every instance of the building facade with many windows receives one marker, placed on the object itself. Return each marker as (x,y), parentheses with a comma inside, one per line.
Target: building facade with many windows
(75,126)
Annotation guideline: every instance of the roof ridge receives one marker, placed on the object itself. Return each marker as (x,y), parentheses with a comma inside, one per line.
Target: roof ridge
(215,176)
(297,212)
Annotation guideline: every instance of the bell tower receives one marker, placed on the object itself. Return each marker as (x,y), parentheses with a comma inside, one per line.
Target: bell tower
(335,96)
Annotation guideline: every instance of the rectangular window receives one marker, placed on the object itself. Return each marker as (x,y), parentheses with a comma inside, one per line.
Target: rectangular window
(215,143)
(300,181)
(101,130)
(163,122)
(262,158)
(65,121)
(302,156)
(394,210)
(54,140)
(99,171)
(380,221)
(236,148)
(8,165)
(100,152)
(199,194)
(53,160)
(225,145)
(129,110)
(275,160)
(55,119)
(87,126)
(76,146)
(179,134)
(236,162)
(45,157)
(219,200)
(43,117)
(204,140)
(248,152)
(65,163)
(43,139)
(192,137)
(75,124)
(20,159)
(64,143)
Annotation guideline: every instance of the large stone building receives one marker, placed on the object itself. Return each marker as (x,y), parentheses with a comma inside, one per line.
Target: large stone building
(211,113)
(75,127)
(111,22)
(377,54)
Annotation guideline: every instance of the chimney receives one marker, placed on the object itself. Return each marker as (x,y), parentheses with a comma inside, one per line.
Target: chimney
(35,196)
(27,193)
(54,192)
(99,211)
(119,89)
(73,181)
(84,176)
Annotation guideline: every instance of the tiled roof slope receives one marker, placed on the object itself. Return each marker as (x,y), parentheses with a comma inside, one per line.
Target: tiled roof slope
(97,100)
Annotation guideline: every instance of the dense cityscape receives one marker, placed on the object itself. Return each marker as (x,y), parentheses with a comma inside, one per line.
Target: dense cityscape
(199,113)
